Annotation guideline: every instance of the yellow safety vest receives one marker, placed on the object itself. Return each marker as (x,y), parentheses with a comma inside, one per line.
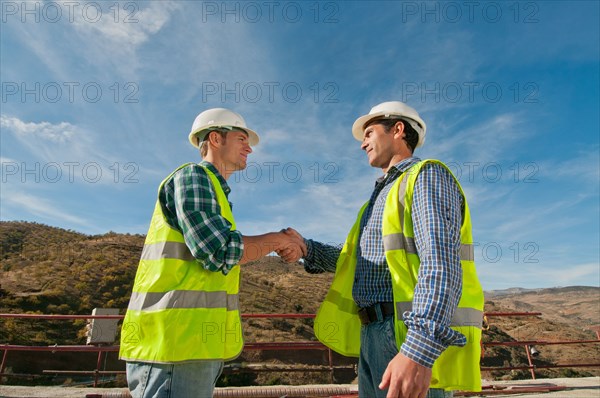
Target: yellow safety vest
(178,310)
(337,324)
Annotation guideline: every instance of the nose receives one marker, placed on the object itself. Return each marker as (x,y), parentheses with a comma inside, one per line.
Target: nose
(248,148)
(363,145)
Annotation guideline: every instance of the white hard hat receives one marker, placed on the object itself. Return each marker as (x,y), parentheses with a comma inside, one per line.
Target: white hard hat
(391,110)
(210,119)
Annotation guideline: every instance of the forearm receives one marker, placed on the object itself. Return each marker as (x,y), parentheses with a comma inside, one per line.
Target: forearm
(258,246)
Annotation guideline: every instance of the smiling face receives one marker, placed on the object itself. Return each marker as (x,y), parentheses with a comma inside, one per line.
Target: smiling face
(235,150)
(378,145)
(384,147)
(228,152)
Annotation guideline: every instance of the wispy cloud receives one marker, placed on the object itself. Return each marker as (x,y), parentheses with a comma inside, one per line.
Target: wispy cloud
(67,144)
(485,141)
(122,38)
(583,167)
(4,159)
(41,41)
(129,26)
(52,141)
(532,221)
(173,55)
(320,211)
(38,206)
(35,132)
(117,29)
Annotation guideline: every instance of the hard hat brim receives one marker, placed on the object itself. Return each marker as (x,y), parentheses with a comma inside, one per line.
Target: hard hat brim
(358,130)
(196,137)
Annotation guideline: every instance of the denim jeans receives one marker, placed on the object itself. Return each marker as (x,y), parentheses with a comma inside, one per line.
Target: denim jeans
(377,349)
(184,380)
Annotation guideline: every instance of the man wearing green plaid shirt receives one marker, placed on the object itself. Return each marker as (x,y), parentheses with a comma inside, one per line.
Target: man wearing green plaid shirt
(188,275)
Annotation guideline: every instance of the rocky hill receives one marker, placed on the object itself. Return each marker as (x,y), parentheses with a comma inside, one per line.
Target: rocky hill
(568,313)
(49,270)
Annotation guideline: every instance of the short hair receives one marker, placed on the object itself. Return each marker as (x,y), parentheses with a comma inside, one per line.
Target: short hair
(204,144)
(410,135)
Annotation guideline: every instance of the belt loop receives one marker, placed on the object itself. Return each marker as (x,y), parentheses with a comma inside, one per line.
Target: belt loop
(378,312)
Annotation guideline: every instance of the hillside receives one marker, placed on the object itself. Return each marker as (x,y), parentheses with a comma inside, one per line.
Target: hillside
(578,305)
(53,271)
(568,313)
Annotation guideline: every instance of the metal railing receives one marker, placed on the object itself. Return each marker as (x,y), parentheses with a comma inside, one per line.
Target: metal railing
(103,349)
(529,345)
(280,346)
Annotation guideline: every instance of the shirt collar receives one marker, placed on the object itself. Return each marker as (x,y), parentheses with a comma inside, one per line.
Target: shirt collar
(399,168)
(214,170)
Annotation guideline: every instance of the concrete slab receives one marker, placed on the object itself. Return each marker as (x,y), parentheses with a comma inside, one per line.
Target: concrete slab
(53,392)
(587,387)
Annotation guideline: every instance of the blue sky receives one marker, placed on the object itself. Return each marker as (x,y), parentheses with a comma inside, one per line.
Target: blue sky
(98,99)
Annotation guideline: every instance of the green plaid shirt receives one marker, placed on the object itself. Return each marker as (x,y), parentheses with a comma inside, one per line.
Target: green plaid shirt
(190,205)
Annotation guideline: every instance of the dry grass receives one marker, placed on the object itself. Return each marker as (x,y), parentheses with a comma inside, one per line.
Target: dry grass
(49,270)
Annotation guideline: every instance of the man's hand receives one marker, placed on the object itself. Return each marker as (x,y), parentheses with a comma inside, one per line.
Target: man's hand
(289,246)
(293,247)
(405,378)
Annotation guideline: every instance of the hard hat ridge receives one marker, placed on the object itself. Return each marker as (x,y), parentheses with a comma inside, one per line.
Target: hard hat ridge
(219,118)
(388,110)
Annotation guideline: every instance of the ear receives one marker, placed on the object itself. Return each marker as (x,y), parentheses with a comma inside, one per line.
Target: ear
(399,130)
(214,137)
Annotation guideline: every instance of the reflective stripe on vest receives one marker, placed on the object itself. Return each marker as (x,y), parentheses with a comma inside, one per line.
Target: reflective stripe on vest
(178,310)
(462,316)
(159,250)
(399,242)
(150,301)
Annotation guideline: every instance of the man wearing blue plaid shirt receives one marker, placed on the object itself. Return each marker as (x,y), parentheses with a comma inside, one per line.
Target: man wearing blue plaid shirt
(389,134)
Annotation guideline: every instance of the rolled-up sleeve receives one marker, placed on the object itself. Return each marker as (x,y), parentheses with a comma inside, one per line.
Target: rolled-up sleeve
(207,233)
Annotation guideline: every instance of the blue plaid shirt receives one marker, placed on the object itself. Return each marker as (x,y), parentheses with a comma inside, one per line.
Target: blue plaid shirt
(437,217)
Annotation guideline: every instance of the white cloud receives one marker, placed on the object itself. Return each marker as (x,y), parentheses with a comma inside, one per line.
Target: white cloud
(318,210)
(483,142)
(35,132)
(584,167)
(41,40)
(170,53)
(333,210)
(38,206)
(126,27)
(94,36)
(68,145)
(52,141)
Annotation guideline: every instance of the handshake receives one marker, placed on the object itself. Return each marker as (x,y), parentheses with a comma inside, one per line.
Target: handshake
(290,245)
